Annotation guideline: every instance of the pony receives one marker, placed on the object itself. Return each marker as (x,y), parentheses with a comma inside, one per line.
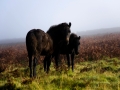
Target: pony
(71,50)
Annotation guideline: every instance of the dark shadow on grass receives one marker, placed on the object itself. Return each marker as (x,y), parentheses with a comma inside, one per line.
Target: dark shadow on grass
(9,86)
(108,68)
(85,69)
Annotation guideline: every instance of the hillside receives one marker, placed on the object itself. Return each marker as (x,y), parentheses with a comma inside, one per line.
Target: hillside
(99,31)
(12,41)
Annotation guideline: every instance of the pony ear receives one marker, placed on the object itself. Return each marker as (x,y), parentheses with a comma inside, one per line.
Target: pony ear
(69,24)
(79,37)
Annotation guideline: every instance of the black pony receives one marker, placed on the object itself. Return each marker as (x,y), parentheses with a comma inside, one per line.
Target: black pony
(71,49)
(60,35)
(40,43)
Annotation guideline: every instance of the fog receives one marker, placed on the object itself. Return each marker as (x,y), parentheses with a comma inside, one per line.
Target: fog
(17,17)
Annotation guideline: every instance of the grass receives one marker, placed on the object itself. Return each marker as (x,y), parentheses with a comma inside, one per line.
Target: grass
(88,75)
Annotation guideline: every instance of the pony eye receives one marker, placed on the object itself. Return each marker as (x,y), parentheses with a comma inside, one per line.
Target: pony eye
(78,43)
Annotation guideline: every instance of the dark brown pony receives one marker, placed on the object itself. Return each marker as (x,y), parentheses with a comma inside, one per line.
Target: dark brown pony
(40,43)
(37,43)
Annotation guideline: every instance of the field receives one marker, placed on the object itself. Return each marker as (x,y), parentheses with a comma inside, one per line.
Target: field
(96,67)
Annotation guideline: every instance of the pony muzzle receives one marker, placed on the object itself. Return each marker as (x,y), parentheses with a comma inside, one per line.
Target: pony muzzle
(67,40)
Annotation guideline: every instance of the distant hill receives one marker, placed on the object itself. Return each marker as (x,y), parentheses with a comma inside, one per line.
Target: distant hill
(82,33)
(12,41)
(99,31)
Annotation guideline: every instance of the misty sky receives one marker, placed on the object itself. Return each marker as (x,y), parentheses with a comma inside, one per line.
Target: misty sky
(17,17)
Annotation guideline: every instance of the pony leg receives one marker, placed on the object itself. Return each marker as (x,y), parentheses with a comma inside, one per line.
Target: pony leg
(56,61)
(34,66)
(30,64)
(45,63)
(72,60)
(68,60)
(48,63)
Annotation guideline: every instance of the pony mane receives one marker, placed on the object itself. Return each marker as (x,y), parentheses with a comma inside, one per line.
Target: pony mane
(53,27)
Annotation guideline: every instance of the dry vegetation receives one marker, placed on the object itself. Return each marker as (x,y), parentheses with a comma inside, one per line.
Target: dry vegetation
(98,47)
(91,48)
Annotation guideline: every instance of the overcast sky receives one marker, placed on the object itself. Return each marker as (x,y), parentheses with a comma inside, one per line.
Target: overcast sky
(17,17)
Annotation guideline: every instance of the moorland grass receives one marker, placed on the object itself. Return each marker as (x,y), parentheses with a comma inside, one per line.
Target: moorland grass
(89,75)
